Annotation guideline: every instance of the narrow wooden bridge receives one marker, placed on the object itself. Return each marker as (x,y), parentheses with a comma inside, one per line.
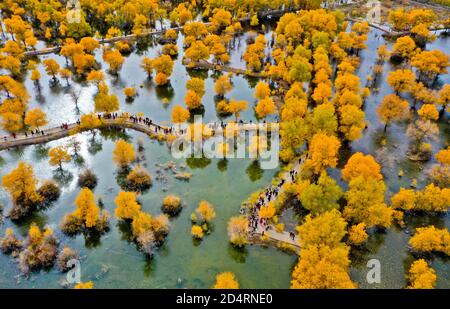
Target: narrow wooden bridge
(136,123)
(272,234)
(51,134)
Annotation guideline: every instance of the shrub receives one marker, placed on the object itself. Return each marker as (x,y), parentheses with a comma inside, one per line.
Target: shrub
(238,231)
(41,251)
(49,191)
(197,232)
(139,179)
(183,176)
(205,212)
(23,208)
(103,221)
(71,224)
(146,242)
(87,179)
(10,243)
(226,280)
(64,257)
(171,205)
(161,228)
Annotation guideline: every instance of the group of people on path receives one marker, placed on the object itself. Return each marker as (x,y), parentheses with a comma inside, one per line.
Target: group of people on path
(65,126)
(269,194)
(36,132)
(142,120)
(135,119)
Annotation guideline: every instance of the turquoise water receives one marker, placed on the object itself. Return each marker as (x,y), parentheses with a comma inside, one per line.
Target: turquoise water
(114,261)
(180,262)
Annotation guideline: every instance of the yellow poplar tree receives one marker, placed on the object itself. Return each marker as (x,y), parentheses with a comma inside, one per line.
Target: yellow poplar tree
(21,184)
(392,108)
(105,102)
(87,210)
(58,155)
(236,107)
(179,114)
(52,68)
(265,107)
(323,152)
(322,267)
(226,280)
(401,80)
(326,229)
(35,118)
(223,85)
(262,90)
(123,153)
(114,59)
(197,85)
(361,165)
(192,100)
(127,206)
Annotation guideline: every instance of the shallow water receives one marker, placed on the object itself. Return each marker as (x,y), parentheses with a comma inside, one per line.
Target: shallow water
(194,264)
(113,261)
(391,248)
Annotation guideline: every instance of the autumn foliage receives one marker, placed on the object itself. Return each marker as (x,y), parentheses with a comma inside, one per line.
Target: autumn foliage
(238,230)
(123,153)
(226,280)
(87,215)
(21,184)
(171,204)
(421,276)
(127,206)
(139,179)
(431,239)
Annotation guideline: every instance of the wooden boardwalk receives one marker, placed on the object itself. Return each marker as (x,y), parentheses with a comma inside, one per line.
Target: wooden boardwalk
(51,134)
(271,233)
(56,133)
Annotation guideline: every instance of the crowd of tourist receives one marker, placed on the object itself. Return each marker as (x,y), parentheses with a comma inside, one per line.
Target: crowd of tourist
(269,194)
(135,119)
